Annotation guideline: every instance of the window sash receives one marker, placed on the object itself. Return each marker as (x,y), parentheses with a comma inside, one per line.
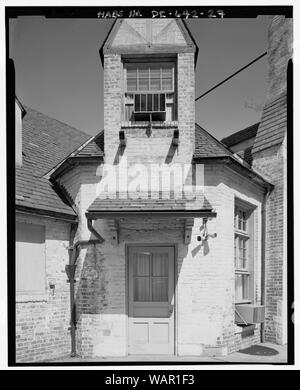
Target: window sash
(242,255)
(242,287)
(241,252)
(240,220)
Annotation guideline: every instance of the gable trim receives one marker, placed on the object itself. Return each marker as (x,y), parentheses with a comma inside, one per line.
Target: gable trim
(191,44)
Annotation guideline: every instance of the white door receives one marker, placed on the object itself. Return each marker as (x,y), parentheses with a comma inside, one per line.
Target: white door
(151,300)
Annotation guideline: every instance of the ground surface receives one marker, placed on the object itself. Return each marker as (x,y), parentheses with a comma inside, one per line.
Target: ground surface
(266,353)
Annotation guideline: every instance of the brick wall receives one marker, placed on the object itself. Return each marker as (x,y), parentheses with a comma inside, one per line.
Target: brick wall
(42,322)
(280,50)
(272,163)
(204,296)
(141,144)
(270,160)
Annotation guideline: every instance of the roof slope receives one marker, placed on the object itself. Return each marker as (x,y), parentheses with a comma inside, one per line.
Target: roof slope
(242,135)
(272,127)
(94,148)
(208,146)
(46,142)
(124,203)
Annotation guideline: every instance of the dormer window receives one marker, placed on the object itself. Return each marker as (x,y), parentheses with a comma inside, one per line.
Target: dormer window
(149,92)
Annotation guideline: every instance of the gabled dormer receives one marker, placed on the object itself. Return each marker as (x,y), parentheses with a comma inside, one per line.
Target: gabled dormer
(149,81)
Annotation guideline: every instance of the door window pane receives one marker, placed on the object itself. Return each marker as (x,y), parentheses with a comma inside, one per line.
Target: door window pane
(141,276)
(160,289)
(160,264)
(150,277)
(141,264)
(141,289)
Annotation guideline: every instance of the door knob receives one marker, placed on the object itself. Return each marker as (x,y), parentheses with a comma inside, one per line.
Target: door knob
(170,309)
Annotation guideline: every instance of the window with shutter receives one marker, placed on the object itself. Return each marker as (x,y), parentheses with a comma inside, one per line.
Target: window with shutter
(149,92)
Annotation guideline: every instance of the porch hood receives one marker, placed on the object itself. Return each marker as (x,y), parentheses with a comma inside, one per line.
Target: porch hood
(115,208)
(157,205)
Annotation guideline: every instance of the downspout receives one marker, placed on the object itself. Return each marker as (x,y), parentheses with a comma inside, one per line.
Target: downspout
(70,271)
(263,258)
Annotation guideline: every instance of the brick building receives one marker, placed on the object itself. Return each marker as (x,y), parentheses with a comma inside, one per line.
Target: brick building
(159,226)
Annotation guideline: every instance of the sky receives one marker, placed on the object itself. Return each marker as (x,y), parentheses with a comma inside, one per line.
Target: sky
(59,72)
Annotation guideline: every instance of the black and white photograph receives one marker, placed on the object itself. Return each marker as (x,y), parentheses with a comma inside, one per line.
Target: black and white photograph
(150,186)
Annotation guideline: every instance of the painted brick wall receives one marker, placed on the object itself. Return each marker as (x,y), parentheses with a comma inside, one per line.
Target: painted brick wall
(205,285)
(42,322)
(113,98)
(140,144)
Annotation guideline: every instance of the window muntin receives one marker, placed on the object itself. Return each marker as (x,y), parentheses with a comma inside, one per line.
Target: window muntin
(242,255)
(150,92)
(240,221)
(241,252)
(150,77)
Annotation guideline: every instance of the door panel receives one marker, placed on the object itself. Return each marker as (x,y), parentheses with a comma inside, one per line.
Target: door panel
(151,300)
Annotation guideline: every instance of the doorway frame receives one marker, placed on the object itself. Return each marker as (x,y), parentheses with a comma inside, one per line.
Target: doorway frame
(140,244)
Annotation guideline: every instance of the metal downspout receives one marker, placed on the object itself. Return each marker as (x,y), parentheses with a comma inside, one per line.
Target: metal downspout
(263,259)
(70,270)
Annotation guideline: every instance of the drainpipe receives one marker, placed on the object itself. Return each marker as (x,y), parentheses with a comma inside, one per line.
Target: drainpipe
(263,259)
(70,271)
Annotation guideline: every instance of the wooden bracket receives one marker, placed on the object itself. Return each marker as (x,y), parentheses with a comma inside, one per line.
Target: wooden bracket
(175,138)
(188,226)
(122,138)
(114,229)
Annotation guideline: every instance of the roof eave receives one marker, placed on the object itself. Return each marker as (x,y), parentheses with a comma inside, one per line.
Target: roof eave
(46,213)
(238,167)
(94,214)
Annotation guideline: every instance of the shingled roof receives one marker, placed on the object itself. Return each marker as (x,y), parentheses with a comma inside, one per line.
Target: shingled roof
(273,124)
(208,146)
(46,142)
(146,203)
